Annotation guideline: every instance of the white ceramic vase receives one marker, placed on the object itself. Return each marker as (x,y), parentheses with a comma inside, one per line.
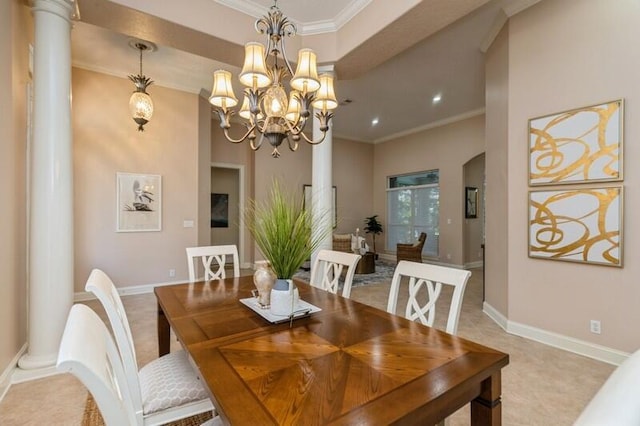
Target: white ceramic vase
(284,298)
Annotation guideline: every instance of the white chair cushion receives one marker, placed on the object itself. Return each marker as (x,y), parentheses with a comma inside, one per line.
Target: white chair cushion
(169,381)
(216,421)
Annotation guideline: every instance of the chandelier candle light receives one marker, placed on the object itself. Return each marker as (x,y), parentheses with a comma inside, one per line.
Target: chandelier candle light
(140,103)
(266,107)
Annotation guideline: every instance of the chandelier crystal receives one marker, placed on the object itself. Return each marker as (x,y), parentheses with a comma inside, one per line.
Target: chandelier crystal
(140,103)
(266,108)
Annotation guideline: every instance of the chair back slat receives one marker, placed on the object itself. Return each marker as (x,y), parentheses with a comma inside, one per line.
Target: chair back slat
(103,288)
(432,278)
(327,271)
(213,260)
(88,352)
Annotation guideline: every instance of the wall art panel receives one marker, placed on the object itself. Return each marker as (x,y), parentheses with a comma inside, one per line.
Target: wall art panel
(577,146)
(578,225)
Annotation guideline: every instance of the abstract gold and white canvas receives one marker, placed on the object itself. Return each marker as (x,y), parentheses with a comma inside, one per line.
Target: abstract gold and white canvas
(581,145)
(579,225)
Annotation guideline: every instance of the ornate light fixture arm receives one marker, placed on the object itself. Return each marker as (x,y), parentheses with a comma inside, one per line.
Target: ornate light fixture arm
(276,26)
(225,118)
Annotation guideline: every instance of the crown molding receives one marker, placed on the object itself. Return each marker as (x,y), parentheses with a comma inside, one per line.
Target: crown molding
(493,32)
(247,7)
(509,8)
(433,125)
(516,6)
(341,19)
(255,10)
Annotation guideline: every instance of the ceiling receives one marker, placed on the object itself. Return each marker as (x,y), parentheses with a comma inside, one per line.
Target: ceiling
(398,92)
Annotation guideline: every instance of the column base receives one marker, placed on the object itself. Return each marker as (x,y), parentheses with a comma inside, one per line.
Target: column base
(20,376)
(32,362)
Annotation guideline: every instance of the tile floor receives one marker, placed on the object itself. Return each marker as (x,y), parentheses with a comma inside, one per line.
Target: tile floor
(541,385)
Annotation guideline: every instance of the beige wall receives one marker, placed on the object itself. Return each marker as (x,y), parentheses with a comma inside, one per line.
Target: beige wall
(472,232)
(204,172)
(105,142)
(446,148)
(565,54)
(15,35)
(496,165)
(353,177)
(236,155)
(352,174)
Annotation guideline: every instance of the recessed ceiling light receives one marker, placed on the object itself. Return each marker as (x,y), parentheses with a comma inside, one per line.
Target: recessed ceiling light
(437,98)
(374,121)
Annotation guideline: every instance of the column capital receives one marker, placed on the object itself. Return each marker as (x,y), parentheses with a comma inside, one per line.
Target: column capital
(66,9)
(328,69)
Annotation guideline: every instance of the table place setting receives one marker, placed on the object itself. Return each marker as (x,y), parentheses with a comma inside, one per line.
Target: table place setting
(303,309)
(276,300)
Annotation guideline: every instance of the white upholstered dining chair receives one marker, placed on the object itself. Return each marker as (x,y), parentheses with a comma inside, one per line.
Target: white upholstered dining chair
(429,279)
(213,259)
(88,351)
(617,402)
(327,271)
(165,389)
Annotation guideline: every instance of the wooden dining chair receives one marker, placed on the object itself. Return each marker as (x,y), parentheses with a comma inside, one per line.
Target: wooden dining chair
(88,351)
(213,259)
(165,389)
(327,271)
(429,279)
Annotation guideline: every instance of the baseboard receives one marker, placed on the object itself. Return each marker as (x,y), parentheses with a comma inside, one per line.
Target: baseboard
(387,257)
(580,347)
(569,344)
(5,377)
(495,315)
(83,296)
(20,376)
(392,258)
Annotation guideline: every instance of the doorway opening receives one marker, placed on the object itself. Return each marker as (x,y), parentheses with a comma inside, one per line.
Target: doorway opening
(227,204)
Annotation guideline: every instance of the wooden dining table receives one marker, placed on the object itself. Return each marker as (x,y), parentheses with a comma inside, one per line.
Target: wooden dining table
(349,364)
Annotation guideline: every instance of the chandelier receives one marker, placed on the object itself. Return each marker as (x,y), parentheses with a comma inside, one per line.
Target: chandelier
(266,108)
(140,103)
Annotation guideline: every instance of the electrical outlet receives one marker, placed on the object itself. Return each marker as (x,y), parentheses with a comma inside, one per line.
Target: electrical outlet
(595,326)
(449,256)
(172,273)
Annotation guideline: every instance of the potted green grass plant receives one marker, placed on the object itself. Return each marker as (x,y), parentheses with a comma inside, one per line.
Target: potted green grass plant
(281,228)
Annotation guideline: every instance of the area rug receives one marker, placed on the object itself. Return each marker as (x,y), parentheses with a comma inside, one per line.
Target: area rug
(92,416)
(383,273)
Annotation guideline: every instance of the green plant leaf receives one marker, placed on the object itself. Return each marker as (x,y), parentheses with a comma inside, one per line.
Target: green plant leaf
(281,228)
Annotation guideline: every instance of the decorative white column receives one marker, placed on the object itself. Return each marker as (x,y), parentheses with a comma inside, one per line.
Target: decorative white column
(321,181)
(51,192)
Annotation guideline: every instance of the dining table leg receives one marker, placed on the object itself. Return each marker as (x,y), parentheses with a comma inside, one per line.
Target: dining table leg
(164,342)
(486,409)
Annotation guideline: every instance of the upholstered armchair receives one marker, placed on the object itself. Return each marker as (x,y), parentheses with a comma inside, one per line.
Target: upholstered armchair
(411,252)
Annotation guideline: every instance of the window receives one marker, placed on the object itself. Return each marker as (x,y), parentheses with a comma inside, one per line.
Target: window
(413,207)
